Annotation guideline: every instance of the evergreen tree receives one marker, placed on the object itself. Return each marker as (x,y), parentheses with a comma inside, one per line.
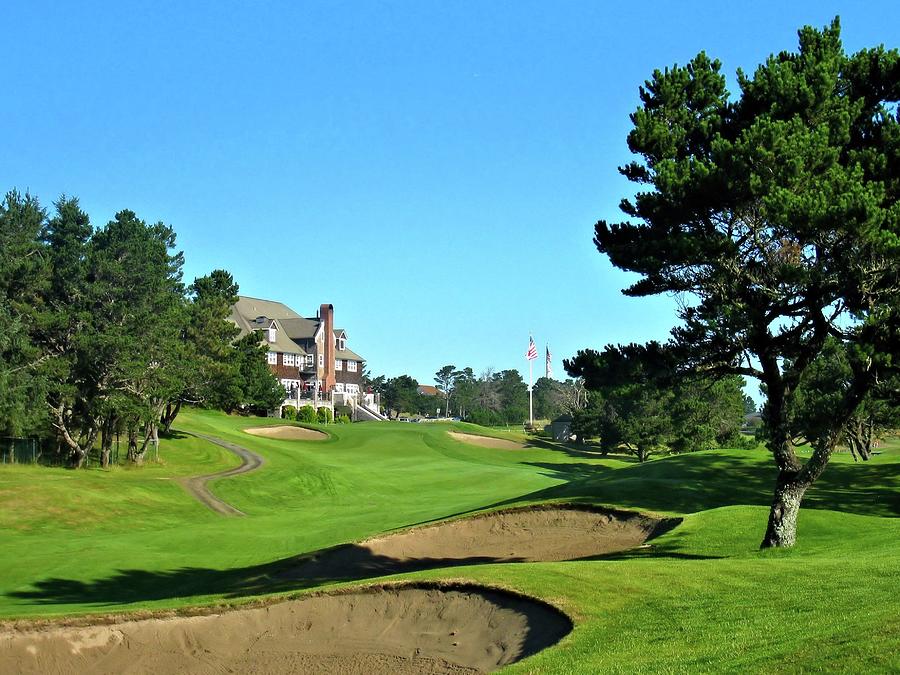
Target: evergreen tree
(775,216)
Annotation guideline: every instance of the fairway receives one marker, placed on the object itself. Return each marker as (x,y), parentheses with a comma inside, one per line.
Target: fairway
(701,596)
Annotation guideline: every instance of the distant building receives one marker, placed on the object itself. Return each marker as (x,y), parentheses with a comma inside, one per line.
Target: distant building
(428,390)
(561,428)
(307,354)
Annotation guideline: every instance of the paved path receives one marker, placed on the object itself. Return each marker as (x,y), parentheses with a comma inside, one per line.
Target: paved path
(196,485)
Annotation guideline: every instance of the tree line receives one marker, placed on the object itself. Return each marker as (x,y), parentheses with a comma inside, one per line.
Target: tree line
(632,407)
(491,398)
(99,335)
(632,413)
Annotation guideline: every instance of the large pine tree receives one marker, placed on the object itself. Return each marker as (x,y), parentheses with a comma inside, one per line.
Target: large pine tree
(775,216)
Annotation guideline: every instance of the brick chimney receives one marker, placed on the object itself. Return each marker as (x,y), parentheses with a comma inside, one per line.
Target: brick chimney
(326,314)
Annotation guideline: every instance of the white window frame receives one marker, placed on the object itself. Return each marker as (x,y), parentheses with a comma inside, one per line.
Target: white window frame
(338,365)
(272,358)
(351,366)
(287,359)
(273,334)
(321,360)
(342,344)
(339,387)
(310,360)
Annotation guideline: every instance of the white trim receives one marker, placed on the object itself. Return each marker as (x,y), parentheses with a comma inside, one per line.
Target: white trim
(338,365)
(272,358)
(351,366)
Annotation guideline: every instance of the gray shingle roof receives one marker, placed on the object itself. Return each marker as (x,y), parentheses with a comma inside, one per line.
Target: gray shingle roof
(290,325)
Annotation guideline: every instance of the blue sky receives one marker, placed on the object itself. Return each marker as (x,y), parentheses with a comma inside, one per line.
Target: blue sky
(433,169)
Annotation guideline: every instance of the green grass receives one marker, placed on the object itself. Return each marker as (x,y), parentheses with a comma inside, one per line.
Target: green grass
(702,598)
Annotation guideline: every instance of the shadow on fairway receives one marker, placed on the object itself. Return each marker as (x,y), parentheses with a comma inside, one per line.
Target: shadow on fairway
(345,562)
(581,451)
(130,586)
(682,484)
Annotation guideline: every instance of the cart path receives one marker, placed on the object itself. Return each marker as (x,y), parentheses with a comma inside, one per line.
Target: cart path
(196,485)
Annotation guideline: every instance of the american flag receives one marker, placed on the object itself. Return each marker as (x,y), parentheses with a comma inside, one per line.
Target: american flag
(548,370)
(532,350)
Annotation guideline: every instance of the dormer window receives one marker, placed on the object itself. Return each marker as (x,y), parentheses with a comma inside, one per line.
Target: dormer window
(272,333)
(342,343)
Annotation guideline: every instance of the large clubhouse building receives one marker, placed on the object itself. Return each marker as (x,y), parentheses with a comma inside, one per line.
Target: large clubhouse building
(308,355)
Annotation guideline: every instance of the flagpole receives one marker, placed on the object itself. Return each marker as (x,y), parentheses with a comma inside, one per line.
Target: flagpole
(531,392)
(531,355)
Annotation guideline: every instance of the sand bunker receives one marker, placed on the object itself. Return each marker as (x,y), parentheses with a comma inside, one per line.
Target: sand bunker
(421,629)
(486,441)
(529,534)
(286,433)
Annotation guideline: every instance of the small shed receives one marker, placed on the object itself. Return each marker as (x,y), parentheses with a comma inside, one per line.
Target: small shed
(561,428)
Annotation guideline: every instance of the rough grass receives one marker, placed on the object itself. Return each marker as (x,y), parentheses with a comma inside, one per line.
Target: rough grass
(702,598)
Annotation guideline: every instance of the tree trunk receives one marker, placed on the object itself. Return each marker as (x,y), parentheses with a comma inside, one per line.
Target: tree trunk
(170,414)
(78,450)
(106,439)
(105,443)
(781,531)
(133,456)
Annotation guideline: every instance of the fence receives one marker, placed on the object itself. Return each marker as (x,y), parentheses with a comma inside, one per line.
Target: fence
(46,452)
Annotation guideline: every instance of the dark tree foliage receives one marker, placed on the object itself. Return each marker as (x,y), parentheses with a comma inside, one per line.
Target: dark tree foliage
(821,388)
(260,390)
(513,396)
(637,406)
(98,336)
(551,398)
(23,275)
(401,394)
(445,378)
(774,215)
(213,378)
(465,387)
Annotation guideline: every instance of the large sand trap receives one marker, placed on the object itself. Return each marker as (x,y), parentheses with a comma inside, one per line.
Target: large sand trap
(424,629)
(528,534)
(485,441)
(286,433)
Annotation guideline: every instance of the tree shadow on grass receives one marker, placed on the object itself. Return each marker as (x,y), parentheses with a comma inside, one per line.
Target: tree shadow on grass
(345,562)
(687,484)
(290,574)
(580,450)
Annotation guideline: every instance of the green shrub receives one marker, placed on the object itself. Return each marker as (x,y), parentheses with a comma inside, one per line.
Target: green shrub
(343,410)
(307,415)
(323,415)
(343,419)
(289,412)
